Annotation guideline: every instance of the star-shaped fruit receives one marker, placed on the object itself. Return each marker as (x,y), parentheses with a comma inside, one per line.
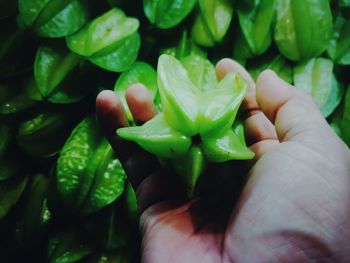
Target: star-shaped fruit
(195,125)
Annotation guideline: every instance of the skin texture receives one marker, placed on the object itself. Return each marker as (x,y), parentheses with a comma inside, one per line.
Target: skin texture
(292,206)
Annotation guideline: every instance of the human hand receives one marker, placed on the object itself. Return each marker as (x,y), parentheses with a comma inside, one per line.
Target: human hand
(295,206)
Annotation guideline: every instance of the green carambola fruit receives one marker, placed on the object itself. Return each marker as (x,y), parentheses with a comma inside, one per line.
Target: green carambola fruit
(18,103)
(193,107)
(339,45)
(167,13)
(7,8)
(34,216)
(198,112)
(53,18)
(212,22)
(69,245)
(88,175)
(185,47)
(277,63)
(10,192)
(110,41)
(56,73)
(5,135)
(255,23)
(8,157)
(303,28)
(111,228)
(44,134)
(139,72)
(316,77)
(17,50)
(341,119)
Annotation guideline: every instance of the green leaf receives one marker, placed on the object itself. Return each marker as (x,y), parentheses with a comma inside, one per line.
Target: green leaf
(10,192)
(179,96)
(339,45)
(201,71)
(212,22)
(103,32)
(224,146)
(157,137)
(256,25)
(189,167)
(140,72)
(303,28)
(167,13)
(220,105)
(316,77)
(88,175)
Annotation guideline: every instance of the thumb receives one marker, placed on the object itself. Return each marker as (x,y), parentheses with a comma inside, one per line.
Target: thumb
(293,112)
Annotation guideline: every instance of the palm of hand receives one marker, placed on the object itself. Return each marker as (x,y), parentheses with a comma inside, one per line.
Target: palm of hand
(273,215)
(293,208)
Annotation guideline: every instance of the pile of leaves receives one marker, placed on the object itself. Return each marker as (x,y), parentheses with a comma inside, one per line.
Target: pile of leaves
(64,194)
